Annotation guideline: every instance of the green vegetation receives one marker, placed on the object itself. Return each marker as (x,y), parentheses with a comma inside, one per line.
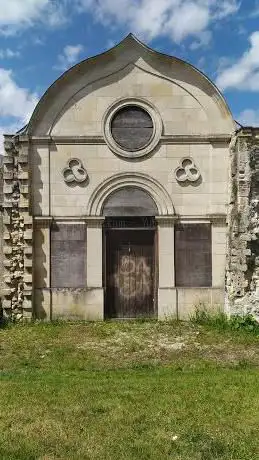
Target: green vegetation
(220,321)
(129,390)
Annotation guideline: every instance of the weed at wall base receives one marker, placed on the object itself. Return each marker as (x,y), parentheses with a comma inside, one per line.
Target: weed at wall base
(220,321)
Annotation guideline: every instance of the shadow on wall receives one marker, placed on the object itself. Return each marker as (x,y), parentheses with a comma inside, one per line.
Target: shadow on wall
(36,196)
(40,276)
(191,184)
(39,311)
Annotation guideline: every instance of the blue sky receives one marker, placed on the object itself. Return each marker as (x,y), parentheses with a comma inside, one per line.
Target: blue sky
(39,39)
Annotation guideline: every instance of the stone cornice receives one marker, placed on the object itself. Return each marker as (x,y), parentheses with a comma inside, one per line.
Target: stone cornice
(68,219)
(96,139)
(167,221)
(43,220)
(195,138)
(161,218)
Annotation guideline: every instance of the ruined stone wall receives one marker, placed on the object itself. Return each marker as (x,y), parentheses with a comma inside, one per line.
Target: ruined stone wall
(242,271)
(17,232)
(1,226)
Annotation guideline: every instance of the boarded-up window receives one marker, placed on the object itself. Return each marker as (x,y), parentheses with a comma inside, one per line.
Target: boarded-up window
(132,127)
(68,255)
(193,266)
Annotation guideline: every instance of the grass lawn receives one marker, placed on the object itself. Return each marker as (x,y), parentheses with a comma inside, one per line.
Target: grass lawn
(133,390)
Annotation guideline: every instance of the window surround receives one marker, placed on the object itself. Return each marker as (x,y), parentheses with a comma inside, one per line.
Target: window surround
(157,127)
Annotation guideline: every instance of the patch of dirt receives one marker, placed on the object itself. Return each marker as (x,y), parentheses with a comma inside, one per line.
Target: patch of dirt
(163,345)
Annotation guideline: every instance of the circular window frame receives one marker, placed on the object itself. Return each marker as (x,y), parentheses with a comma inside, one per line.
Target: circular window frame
(154,139)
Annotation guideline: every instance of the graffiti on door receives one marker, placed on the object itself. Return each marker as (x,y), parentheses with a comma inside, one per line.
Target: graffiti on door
(133,277)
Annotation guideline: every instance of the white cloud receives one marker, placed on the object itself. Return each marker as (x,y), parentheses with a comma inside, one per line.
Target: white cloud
(226,8)
(255,11)
(69,56)
(194,20)
(244,74)
(16,105)
(204,40)
(19,14)
(249,117)
(177,19)
(8,54)
(15,101)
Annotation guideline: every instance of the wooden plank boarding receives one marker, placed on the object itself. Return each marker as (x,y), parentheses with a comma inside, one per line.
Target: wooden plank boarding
(130,274)
(193,258)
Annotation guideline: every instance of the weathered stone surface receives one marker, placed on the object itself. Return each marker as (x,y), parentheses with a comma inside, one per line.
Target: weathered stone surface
(1,225)
(14,232)
(242,273)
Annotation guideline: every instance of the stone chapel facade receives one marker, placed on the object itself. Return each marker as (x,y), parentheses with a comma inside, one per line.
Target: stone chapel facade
(128,194)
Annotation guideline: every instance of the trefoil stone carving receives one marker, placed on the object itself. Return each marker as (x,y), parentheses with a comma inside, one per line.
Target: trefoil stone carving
(75,172)
(187,171)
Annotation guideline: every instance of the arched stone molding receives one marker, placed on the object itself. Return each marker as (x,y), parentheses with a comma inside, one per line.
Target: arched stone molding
(157,192)
(68,88)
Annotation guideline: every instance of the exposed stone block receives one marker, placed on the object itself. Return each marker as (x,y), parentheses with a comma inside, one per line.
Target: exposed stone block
(8,175)
(23,175)
(7,203)
(23,158)
(7,250)
(7,263)
(8,160)
(8,279)
(28,235)
(7,189)
(27,278)
(27,220)
(28,251)
(24,202)
(6,219)
(6,304)
(24,189)
(28,263)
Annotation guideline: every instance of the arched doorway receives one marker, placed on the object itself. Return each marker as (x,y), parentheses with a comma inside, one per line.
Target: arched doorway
(130,253)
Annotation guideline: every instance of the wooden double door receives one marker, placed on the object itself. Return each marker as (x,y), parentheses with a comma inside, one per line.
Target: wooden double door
(130,273)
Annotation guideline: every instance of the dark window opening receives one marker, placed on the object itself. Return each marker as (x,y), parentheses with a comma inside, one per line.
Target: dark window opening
(132,128)
(129,201)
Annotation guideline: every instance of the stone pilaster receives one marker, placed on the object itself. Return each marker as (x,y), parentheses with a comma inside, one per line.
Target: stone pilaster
(95,266)
(167,305)
(17,223)
(94,252)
